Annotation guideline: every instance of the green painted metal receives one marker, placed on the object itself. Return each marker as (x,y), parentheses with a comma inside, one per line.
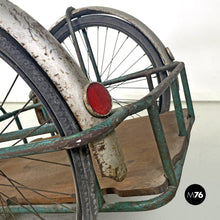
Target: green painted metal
(14,113)
(178,109)
(101,200)
(91,55)
(16,209)
(157,202)
(3,110)
(142,73)
(80,139)
(162,144)
(74,39)
(187,94)
(135,206)
(29,132)
(18,122)
(172,171)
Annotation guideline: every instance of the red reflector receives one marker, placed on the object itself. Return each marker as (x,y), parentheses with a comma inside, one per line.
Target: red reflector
(98,101)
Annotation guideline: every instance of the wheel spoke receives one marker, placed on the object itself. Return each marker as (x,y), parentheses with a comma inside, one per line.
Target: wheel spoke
(18,187)
(119,49)
(132,65)
(113,54)
(30,133)
(21,186)
(103,55)
(16,203)
(122,61)
(97,52)
(22,195)
(5,206)
(9,91)
(46,161)
(14,118)
(68,49)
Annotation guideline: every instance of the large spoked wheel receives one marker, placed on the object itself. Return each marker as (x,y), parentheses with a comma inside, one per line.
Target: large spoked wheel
(25,72)
(110,48)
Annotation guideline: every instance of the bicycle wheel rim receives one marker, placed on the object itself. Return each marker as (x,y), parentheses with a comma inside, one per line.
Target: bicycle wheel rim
(61,32)
(38,81)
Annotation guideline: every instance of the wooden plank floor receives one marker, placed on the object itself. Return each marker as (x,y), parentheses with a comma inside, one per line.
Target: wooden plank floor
(145,173)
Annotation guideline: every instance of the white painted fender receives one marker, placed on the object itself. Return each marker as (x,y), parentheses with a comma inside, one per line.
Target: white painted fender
(65,74)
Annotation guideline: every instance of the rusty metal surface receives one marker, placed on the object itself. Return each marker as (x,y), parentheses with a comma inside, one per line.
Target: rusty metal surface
(55,61)
(108,163)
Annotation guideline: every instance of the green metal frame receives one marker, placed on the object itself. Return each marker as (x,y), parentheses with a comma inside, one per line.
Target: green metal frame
(173,173)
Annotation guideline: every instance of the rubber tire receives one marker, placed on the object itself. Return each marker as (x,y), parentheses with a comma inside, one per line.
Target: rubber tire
(18,58)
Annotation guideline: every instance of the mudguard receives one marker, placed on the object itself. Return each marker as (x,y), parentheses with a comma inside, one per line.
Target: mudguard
(68,78)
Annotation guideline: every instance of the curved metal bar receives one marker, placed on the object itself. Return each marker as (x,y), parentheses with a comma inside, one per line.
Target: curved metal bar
(97,132)
(63,143)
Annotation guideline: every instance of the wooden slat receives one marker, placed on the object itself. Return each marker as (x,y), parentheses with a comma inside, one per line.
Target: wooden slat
(145,173)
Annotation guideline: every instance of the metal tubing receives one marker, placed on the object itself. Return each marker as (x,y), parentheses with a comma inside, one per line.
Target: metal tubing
(11,114)
(173,174)
(129,206)
(151,98)
(28,132)
(178,109)
(99,131)
(16,209)
(18,122)
(63,143)
(150,204)
(142,73)
(162,144)
(91,55)
(74,39)
(101,200)
(141,205)
(187,94)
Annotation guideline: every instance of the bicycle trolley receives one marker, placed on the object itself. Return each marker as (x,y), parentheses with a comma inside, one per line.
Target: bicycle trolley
(99,85)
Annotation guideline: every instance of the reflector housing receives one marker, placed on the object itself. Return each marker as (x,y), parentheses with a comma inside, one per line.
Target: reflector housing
(97,100)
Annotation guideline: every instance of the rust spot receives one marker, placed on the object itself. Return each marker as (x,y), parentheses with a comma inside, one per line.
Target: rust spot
(101,148)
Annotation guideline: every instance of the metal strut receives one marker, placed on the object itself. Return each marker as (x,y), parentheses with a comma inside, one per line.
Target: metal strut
(74,39)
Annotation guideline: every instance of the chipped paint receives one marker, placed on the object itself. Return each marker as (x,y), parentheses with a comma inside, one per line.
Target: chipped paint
(62,70)
(104,152)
